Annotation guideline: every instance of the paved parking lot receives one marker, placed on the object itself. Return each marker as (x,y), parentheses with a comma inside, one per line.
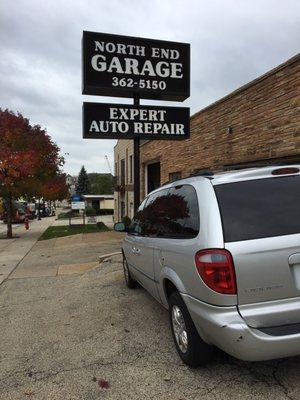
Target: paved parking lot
(62,335)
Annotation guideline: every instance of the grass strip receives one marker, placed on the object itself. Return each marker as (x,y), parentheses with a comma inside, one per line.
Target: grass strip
(66,230)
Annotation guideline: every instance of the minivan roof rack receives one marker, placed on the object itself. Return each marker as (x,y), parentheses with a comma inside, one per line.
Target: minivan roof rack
(254,165)
(204,172)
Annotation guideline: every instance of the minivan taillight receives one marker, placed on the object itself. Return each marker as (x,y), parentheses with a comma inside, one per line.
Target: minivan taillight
(215,266)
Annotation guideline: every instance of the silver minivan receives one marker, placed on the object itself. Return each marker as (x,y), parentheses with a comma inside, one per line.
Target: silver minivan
(222,253)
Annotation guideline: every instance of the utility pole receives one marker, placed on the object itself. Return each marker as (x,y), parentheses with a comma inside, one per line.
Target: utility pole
(136,157)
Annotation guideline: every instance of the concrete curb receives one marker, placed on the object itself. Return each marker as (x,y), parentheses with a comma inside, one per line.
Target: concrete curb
(105,256)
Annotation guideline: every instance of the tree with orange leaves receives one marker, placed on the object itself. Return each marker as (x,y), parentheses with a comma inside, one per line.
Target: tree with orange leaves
(56,188)
(28,159)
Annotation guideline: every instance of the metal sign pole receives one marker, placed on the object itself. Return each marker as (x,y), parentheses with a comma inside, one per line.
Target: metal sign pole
(136,157)
(100,55)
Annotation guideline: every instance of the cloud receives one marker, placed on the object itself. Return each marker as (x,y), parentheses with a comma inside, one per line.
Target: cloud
(232,42)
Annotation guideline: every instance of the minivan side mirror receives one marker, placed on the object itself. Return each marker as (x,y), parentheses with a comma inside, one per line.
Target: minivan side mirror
(120,227)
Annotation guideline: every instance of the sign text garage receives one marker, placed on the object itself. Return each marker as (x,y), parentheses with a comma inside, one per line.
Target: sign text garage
(120,121)
(120,66)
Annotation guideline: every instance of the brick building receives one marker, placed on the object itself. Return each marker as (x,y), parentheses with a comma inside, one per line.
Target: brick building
(256,124)
(123,184)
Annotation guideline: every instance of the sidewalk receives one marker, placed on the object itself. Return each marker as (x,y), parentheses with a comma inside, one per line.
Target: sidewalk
(67,255)
(12,251)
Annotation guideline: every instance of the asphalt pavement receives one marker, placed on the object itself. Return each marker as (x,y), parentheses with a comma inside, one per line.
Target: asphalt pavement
(86,336)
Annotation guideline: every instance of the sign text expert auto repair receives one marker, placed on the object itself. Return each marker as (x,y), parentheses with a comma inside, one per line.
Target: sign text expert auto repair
(120,121)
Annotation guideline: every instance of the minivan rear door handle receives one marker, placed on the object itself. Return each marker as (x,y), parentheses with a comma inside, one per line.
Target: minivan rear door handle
(294,259)
(161,258)
(135,250)
(294,263)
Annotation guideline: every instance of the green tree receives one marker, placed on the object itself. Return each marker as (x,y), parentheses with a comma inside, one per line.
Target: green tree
(101,183)
(83,184)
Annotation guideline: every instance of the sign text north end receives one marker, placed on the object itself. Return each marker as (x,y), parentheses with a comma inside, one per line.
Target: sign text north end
(120,66)
(122,121)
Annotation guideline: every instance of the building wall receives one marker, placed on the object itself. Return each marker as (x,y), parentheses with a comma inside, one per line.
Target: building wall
(103,203)
(107,204)
(71,182)
(123,193)
(258,122)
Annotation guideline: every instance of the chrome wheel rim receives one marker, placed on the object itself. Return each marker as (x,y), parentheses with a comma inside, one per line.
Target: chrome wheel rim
(179,329)
(126,271)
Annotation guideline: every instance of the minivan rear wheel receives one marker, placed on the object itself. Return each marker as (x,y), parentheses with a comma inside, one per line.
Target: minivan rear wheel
(191,348)
(130,282)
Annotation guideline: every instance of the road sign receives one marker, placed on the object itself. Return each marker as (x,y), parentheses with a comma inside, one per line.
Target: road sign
(122,121)
(78,205)
(76,197)
(121,66)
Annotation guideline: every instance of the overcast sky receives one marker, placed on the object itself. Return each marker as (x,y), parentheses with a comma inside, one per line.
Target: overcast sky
(232,42)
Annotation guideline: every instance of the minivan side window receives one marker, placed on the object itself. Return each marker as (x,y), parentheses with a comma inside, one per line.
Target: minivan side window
(183,213)
(168,213)
(136,226)
(154,212)
(172,213)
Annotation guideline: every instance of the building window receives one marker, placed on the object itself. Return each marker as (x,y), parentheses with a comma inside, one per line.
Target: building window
(130,168)
(122,209)
(153,176)
(131,212)
(116,173)
(123,172)
(174,176)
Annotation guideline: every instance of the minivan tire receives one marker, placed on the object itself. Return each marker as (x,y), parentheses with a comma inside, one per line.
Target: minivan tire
(192,349)
(130,282)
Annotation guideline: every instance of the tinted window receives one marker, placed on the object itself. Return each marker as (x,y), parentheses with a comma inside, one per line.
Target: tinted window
(169,213)
(183,212)
(154,212)
(172,213)
(260,208)
(135,227)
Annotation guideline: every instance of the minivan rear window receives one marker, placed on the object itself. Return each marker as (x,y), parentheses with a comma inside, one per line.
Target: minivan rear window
(259,208)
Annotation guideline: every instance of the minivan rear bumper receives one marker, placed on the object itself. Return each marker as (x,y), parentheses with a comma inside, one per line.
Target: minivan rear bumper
(226,329)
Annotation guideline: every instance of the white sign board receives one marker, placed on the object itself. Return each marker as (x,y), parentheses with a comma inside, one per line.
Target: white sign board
(78,205)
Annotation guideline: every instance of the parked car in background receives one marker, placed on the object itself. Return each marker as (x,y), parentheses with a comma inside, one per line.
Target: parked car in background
(30,210)
(21,211)
(18,216)
(222,253)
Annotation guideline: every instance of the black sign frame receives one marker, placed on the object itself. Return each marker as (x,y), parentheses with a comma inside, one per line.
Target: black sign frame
(97,82)
(173,115)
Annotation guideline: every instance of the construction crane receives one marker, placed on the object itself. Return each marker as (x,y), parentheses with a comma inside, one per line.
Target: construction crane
(108,163)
